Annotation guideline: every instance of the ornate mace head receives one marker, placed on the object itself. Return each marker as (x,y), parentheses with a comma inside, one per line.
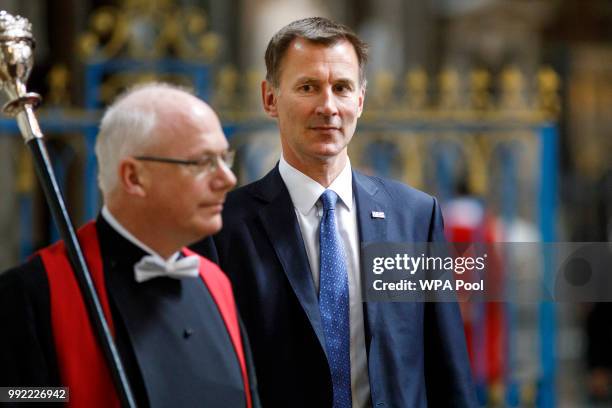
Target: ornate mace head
(16,60)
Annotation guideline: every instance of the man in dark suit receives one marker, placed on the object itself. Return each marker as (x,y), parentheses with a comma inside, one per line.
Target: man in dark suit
(291,244)
(164,173)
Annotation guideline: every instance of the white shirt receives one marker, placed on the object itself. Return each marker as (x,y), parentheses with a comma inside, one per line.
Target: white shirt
(305,194)
(116,225)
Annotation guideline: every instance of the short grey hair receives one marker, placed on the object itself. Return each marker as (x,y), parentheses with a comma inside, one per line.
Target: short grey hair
(127,127)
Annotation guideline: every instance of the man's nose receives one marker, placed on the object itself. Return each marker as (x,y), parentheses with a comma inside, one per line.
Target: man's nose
(327,103)
(224,178)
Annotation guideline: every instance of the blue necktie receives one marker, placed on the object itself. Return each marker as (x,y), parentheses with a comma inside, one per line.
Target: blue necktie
(334,302)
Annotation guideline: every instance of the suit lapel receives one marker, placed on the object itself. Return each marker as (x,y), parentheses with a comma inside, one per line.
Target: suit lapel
(370,200)
(286,238)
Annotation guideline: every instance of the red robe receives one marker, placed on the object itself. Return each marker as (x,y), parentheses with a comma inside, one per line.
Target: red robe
(77,349)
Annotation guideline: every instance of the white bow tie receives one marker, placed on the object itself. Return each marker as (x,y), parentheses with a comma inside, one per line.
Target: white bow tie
(151,267)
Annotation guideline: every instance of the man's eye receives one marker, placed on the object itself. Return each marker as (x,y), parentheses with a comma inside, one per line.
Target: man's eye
(306,88)
(342,88)
(206,162)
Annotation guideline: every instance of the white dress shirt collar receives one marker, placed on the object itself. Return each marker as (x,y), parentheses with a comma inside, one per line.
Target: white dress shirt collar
(305,192)
(116,225)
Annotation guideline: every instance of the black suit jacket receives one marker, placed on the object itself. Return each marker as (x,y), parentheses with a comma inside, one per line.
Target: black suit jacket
(416,351)
(169,333)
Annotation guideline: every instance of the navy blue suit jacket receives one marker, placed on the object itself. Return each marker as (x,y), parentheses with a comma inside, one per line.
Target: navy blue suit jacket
(416,351)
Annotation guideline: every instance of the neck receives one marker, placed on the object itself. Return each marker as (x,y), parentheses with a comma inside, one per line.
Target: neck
(323,171)
(144,231)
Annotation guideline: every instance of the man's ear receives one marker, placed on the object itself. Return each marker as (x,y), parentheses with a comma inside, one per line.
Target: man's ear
(268,97)
(133,178)
(362,92)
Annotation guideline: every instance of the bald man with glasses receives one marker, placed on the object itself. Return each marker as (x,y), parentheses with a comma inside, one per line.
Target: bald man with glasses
(164,171)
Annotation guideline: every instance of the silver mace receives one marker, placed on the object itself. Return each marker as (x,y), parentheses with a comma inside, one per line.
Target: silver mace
(16,60)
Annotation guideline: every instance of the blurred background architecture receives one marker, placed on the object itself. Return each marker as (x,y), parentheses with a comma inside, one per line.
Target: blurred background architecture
(501,108)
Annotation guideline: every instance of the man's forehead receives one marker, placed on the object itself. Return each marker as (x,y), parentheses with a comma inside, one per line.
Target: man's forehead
(190,141)
(187,110)
(302,56)
(301,45)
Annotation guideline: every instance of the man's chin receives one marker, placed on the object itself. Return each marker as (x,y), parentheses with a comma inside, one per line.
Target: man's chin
(211,226)
(328,152)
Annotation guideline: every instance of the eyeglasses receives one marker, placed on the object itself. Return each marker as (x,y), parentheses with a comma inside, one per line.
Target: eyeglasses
(208,163)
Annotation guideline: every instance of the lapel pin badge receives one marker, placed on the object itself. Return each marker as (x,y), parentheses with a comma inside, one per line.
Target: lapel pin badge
(378,214)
